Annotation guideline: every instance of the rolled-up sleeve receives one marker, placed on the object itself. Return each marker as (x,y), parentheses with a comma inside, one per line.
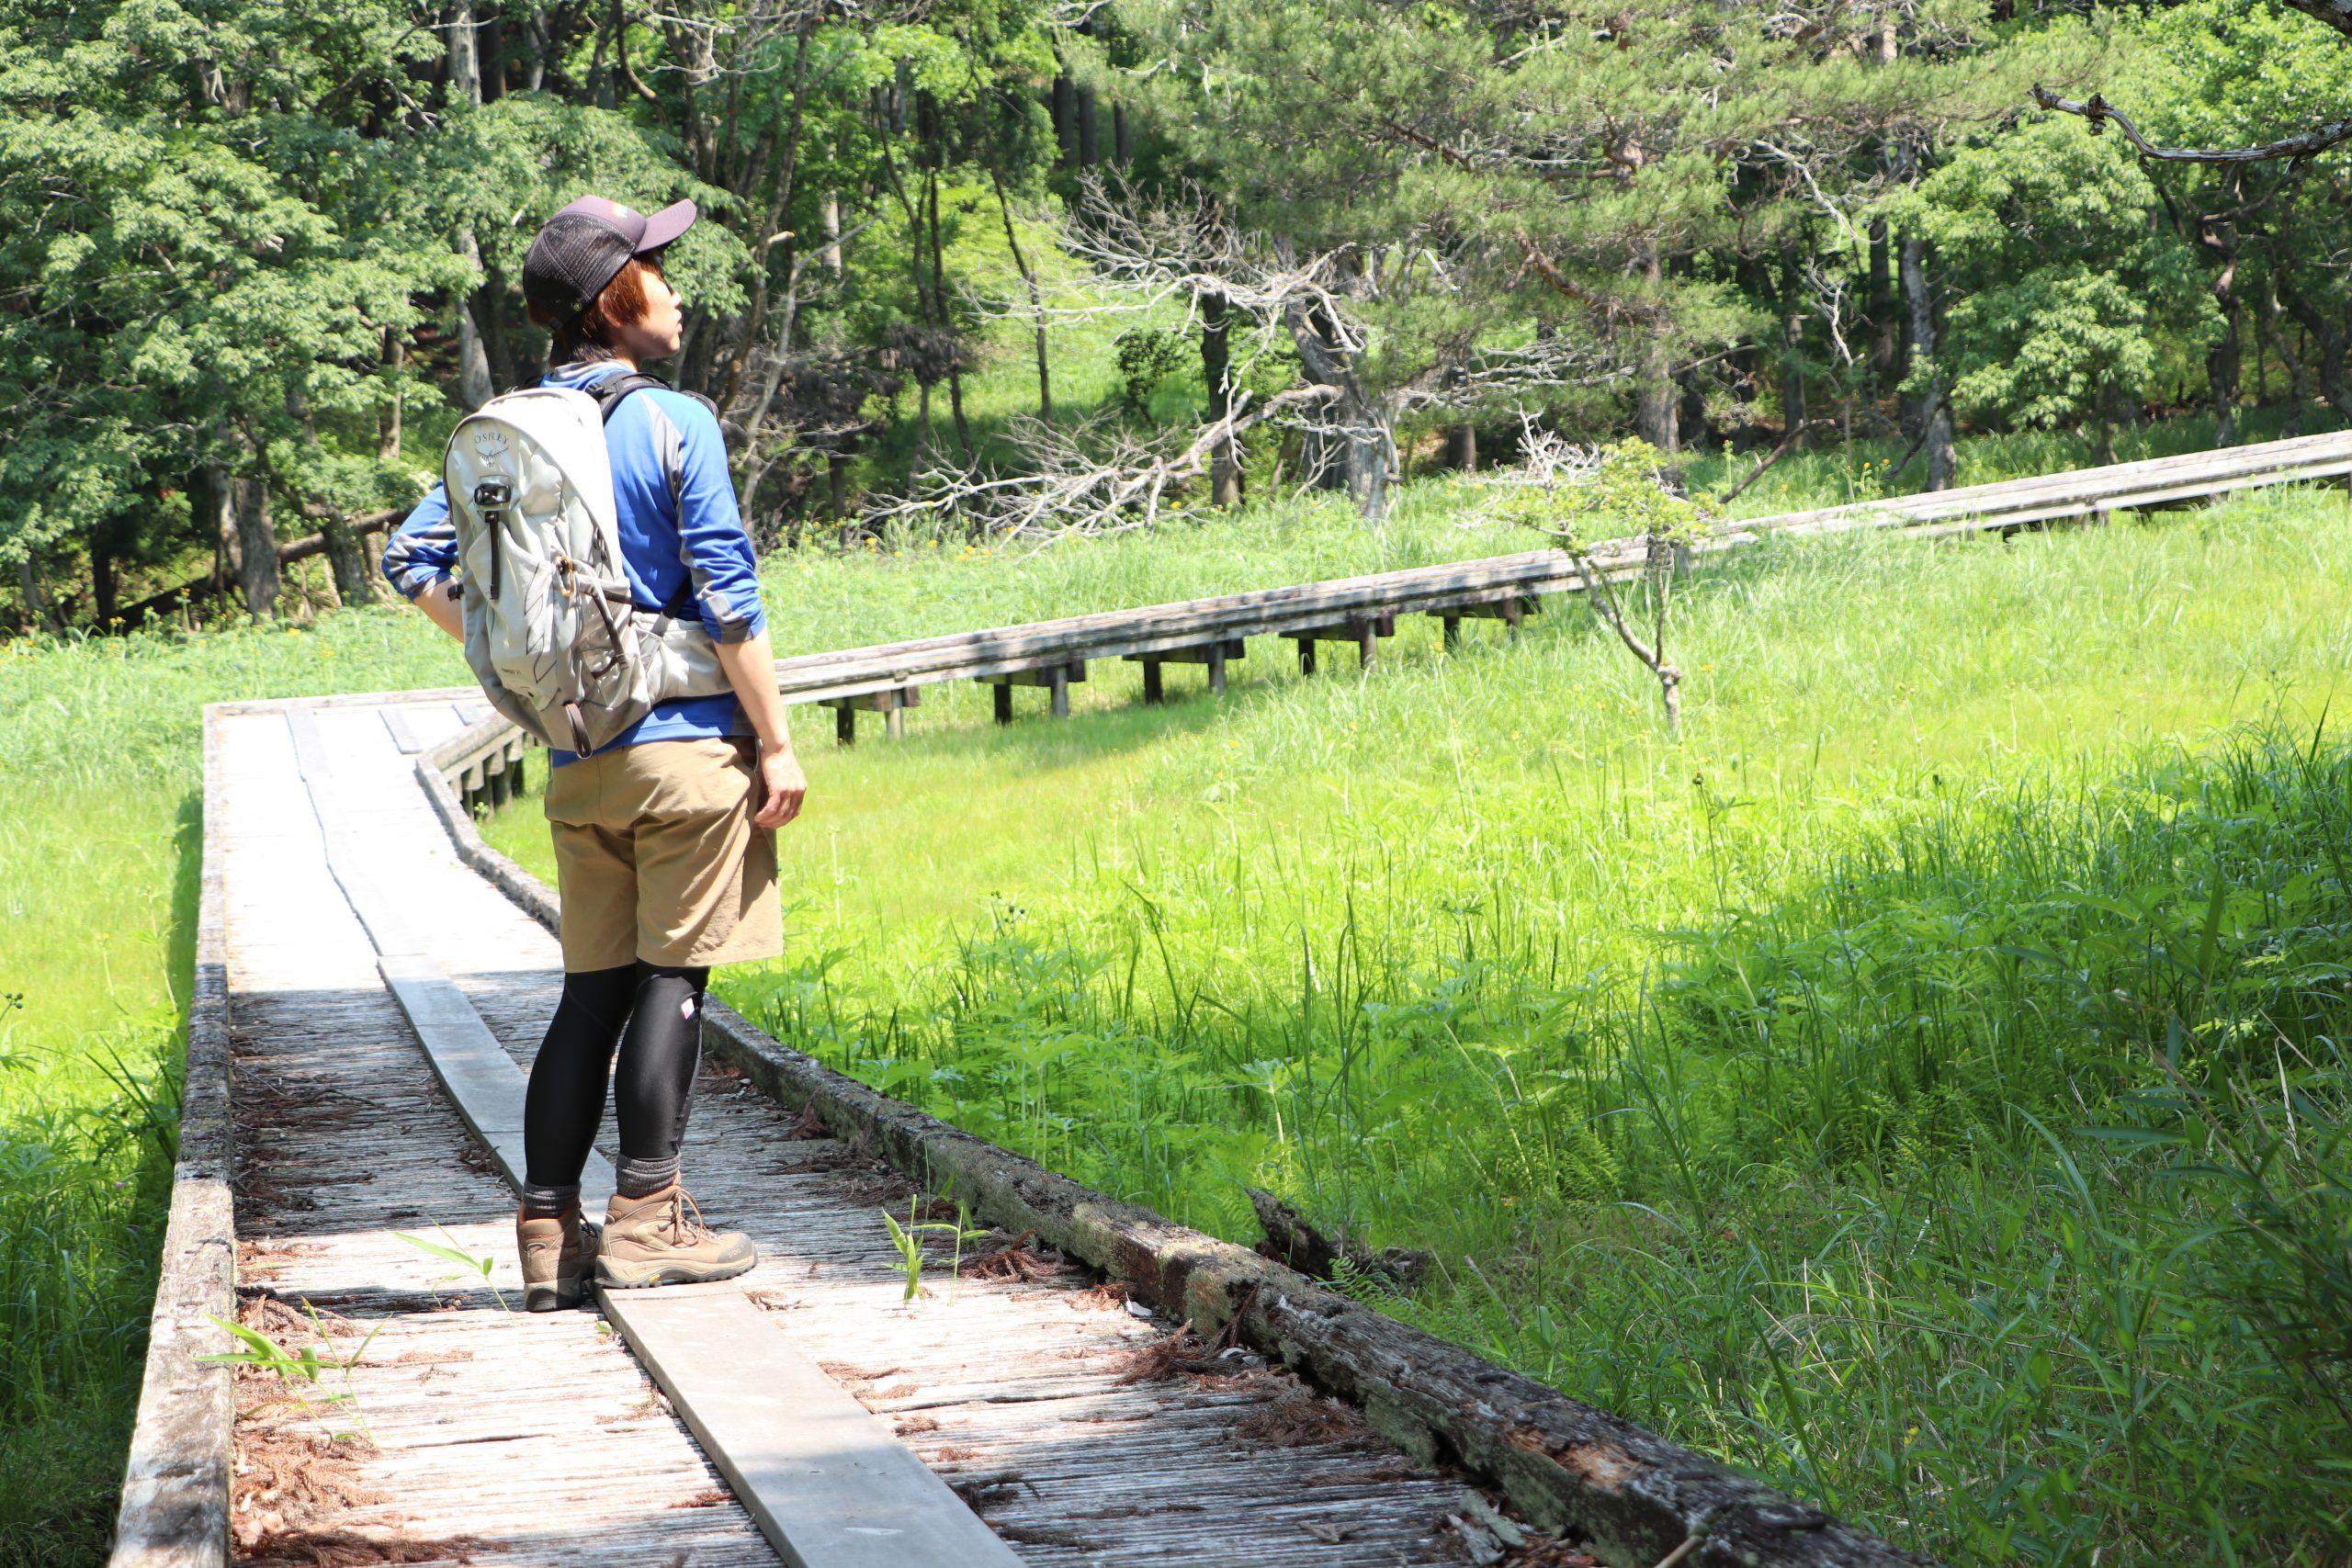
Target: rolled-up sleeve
(423,549)
(711,540)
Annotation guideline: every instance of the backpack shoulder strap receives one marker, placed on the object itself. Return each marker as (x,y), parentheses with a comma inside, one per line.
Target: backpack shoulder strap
(609,391)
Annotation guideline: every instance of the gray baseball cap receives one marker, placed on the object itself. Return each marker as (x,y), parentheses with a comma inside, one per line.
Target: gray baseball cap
(582,248)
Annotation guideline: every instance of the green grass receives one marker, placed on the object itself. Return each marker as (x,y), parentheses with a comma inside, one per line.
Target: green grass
(1851,1091)
(1331,936)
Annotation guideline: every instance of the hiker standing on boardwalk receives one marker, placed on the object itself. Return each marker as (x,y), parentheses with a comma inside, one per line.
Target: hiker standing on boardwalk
(664,836)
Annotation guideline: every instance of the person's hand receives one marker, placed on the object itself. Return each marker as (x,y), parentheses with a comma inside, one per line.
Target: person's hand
(782,786)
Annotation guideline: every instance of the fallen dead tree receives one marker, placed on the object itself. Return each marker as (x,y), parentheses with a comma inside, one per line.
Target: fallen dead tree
(198,590)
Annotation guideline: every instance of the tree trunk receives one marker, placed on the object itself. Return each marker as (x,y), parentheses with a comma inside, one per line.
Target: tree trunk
(356,582)
(491,45)
(106,597)
(830,216)
(535,30)
(1462,447)
(256,548)
(465,88)
(939,288)
(1216,374)
(387,413)
(2269,329)
(2329,337)
(1792,314)
(2221,364)
(1066,118)
(1037,300)
(465,59)
(473,364)
(1885,347)
(1090,137)
(212,512)
(510,363)
(1351,440)
(1930,416)
(1655,397)
(39,613)
(2222,383)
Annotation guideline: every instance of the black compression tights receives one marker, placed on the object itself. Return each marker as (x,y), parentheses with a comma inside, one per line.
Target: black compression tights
(654,1013)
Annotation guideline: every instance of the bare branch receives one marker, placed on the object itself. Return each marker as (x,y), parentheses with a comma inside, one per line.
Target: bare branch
(1087,480)
(2099,112)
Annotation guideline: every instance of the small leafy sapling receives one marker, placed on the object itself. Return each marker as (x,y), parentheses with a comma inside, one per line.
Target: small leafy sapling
(302,1373)
(1624,522)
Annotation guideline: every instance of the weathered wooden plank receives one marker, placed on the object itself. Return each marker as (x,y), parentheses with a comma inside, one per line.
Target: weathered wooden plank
(402,722)
(175,1506)
(827,1483)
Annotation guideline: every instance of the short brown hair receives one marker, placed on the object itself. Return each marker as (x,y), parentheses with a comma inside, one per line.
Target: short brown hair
(594,333)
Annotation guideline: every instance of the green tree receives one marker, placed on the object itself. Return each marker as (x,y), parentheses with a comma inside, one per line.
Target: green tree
(2067,294)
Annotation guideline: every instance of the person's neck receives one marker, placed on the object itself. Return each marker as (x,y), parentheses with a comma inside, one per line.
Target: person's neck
(575,367)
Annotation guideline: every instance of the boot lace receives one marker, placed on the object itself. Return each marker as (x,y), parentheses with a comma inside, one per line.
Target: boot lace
(689,1230)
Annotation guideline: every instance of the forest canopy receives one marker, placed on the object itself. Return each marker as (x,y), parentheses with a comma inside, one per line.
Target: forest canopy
(254,259)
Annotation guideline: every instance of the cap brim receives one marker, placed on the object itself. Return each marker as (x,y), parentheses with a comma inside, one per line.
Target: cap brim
(667,225)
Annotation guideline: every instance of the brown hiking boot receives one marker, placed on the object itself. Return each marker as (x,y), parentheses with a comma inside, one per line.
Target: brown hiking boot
(556,1256)
(660,1239)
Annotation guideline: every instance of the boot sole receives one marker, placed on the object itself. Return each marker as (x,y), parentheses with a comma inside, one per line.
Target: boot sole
(627,1276)
(553,1298)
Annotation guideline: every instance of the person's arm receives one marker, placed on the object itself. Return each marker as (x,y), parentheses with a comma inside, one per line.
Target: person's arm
(444,607)
(751,670)
(420,557)
(726,597)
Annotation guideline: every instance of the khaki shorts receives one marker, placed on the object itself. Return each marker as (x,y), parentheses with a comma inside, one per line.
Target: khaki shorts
(656,858)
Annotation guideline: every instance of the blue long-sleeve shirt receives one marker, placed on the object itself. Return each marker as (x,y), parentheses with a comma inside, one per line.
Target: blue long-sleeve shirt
(682,544)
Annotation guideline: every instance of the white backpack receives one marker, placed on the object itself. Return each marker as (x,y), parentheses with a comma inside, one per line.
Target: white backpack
(550,631)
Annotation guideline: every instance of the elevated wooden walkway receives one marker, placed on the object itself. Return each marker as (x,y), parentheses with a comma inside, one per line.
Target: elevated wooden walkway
(1100,1387)
(1095,1387)
(1358,612)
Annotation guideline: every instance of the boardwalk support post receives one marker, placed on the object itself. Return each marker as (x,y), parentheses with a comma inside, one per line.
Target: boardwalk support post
(1211,654)
(1056,678)
(1364,631)
(891,705)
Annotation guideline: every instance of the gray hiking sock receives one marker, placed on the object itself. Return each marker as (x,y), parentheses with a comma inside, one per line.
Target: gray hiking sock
(542,1201)
(637,1178)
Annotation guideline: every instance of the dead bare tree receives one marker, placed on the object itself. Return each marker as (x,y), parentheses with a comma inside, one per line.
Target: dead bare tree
(1179,253)
(1077,479)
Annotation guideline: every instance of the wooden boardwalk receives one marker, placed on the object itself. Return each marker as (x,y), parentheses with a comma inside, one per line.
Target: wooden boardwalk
(501,1437)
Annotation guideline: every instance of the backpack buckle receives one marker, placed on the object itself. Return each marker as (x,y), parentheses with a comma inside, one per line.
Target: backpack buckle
(494,493)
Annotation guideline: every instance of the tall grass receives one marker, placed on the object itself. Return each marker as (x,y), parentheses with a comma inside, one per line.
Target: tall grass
(1801,1091)
(100,785)
(1170,949)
